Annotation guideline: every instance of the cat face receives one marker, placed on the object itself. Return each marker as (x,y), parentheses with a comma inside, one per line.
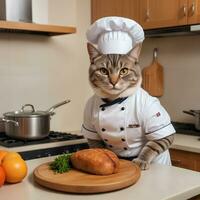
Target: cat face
(114,75)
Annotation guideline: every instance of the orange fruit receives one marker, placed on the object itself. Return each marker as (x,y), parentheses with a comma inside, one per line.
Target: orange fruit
(2,154)
(15,169)
(2,176)
(11,155)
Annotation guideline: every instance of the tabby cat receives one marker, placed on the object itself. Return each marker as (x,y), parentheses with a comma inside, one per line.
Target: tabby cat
(113,76)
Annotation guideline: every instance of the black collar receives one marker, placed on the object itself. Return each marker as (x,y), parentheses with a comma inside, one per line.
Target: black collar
(110,103)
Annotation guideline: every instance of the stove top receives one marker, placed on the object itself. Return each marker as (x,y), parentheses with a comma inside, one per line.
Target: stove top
(54,136)
(56,143)
(185,128)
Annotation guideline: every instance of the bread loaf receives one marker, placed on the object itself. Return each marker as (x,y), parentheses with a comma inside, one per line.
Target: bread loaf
(95,161)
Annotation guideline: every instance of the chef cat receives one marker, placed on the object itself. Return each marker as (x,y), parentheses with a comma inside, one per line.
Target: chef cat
(121,116)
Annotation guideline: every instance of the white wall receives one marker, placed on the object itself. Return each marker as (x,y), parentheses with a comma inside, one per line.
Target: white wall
(40,11)
(46,70)
(180,57)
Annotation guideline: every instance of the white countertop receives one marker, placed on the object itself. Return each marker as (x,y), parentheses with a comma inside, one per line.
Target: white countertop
(158,183)
(186,143)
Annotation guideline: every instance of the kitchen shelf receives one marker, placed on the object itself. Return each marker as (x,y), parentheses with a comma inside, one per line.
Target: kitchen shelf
(31,28)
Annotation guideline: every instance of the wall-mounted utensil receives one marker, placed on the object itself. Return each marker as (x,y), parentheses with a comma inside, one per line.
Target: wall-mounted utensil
(153,81)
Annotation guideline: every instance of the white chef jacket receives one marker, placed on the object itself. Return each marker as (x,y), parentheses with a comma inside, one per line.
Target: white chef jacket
(126,126)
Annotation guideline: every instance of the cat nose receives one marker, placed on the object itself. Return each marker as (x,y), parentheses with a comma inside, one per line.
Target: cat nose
(114,79)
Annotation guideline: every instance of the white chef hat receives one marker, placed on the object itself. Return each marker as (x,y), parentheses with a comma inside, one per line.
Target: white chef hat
(115,35)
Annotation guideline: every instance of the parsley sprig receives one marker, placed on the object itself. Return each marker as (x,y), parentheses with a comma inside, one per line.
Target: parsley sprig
(61,163)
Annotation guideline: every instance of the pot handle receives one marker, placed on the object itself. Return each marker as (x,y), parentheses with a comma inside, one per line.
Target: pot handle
(28,105)
(9,121)
(195,111)
(189,112)
(51,110)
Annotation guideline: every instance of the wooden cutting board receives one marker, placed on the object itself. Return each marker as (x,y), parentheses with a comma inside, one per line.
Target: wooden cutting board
(153,81)
(76,181)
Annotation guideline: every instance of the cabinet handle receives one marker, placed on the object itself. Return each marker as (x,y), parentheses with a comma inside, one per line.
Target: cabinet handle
(147,15)
(193,9)
(184,10)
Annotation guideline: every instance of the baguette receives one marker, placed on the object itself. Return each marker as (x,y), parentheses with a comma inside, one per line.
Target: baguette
(95,161)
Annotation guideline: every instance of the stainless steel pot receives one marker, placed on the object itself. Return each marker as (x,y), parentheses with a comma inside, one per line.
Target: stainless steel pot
(29,124)
(196,114)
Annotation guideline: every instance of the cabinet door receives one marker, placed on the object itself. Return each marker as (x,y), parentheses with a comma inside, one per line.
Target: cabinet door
(183,159)
(193,11)
(197,162)
(123,8)
(162,13)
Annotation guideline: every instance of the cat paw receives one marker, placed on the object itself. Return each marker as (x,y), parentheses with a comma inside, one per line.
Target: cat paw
(141,163)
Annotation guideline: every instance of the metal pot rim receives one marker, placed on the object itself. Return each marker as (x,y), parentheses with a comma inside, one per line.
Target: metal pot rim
(17,114)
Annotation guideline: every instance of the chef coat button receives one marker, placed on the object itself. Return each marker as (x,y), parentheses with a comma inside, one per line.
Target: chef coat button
(123,140)
(110,146)
(122,128)
(103,129)
(122,108)
(125,148)
(102,108)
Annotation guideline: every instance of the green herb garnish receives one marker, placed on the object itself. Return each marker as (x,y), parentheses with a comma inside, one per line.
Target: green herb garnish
(61,164)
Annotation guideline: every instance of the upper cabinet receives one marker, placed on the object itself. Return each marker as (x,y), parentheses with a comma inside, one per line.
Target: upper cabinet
(151,14)
(162,13)
(123,8)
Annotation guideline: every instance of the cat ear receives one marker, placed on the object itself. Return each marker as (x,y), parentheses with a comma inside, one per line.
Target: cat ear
(92,51)
(135,52)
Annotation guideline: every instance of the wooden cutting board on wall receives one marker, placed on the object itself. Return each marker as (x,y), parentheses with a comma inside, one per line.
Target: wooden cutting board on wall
(76,181)
(153,77)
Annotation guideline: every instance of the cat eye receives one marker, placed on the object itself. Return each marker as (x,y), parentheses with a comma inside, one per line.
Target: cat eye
(104,71)
(124,71)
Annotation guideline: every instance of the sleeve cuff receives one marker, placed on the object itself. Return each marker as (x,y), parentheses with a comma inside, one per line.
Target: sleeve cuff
(161,132)
(90,134)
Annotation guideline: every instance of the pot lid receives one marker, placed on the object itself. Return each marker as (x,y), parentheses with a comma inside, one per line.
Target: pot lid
(27,113)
